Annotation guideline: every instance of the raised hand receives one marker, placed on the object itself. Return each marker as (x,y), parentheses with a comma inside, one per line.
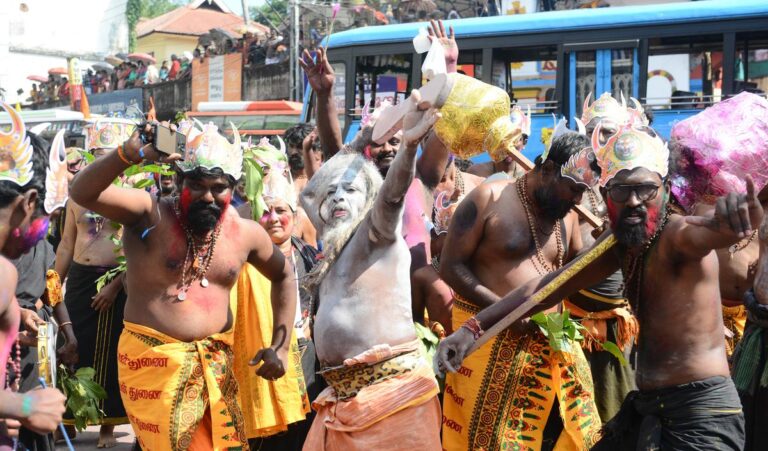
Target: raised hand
(436,30)
(319,72)
(418,121)
(735,213)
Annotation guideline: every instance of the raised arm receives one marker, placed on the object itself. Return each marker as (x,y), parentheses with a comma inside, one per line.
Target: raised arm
(464,235)
(532,297)
(735,216)
(268,260)
(92,187)
(311,163)
(322,78)
(388,206)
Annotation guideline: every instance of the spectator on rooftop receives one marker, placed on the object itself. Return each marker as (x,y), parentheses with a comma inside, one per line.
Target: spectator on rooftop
(164,71)
(64,89)
(152,75)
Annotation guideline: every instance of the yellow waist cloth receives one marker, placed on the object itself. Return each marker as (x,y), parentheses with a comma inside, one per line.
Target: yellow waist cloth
(268,406)
(596,325)
(397,412)
(735,320)
(502,395)
(167,385)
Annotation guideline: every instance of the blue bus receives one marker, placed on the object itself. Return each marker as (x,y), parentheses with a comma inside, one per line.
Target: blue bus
(675,58)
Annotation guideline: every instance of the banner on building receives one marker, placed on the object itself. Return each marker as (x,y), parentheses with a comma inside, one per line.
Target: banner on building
(217,79)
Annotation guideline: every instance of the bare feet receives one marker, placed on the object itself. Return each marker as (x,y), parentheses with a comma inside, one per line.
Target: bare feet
(106,437)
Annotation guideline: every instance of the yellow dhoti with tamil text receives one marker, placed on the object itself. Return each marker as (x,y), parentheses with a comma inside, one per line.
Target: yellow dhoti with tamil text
(386,398)
(502,395)
(180,395)
(735,320)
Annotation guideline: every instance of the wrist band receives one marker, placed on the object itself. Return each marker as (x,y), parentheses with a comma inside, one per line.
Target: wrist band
(26,406)
(65,323)
(141,153)
(473,325)
(121,154)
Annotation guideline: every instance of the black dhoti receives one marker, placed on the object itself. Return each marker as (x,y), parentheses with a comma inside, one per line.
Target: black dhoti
(701,415)
(97,336)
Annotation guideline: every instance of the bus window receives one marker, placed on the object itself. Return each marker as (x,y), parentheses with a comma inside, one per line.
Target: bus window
(528,75)
(380,78)
(339,91)
(751,63)
(471,63)
(684,73)
(586,78)
(622,74)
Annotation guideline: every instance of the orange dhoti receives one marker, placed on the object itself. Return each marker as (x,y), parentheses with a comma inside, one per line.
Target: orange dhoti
(735,320)
(180,395)
(385,398)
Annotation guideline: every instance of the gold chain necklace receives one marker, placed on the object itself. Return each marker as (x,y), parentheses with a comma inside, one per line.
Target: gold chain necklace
(741,245)
(543,267)
(201,257)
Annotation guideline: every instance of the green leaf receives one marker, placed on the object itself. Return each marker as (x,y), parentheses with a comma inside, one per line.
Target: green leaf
(85,372)
(144,183)
(87,156)
(614,350)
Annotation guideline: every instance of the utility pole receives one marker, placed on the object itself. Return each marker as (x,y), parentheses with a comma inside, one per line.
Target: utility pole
(245,11)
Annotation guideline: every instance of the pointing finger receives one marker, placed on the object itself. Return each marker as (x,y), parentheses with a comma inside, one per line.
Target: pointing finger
(751,192)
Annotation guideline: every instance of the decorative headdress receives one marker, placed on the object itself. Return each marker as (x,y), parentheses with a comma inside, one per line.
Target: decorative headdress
(719,147)
(629,148)
(605,107)
(579,168)
(108,133)
(256,157)
(57,176)
(15,150)
(207,148)
(279,187)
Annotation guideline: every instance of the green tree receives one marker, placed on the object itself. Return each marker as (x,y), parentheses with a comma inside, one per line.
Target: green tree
(137,9)
(271,16)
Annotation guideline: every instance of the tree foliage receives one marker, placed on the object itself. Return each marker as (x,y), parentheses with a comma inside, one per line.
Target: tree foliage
(270,16)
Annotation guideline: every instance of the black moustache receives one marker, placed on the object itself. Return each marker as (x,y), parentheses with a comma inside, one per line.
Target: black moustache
(384,155)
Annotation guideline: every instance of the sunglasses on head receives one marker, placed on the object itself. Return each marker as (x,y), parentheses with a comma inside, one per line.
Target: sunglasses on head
(644,192)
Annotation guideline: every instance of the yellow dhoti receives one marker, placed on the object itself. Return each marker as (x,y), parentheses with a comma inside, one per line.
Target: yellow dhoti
(735,320)
(385,399)
(503,394)
(174,392)
(268,406)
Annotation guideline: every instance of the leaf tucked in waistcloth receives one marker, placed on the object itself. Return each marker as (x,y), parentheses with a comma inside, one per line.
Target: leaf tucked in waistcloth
(614,350)
(428,342)
(83,395)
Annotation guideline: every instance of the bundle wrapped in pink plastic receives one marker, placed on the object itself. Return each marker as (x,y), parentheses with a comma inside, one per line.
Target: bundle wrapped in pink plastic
(719,147)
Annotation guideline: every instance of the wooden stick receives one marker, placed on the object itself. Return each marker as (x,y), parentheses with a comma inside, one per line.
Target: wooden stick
(573,269)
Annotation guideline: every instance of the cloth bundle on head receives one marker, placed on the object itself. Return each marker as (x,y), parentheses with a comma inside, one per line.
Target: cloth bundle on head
(719,147)
(258,158)
(15,150)
(57,177)
(206,148)
(629,148)
(107,133)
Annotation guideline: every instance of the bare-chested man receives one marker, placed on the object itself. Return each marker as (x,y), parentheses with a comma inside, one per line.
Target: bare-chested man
(503,234)
(184,255)
(686,399)
(85,253)
(382,393)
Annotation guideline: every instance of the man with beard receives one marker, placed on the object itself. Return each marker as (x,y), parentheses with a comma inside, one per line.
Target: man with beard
(184,254)
(85,253)
(430,166)
(380,384)
(686,399)
(295,138)
(602,309)
(166,185)
(503,234)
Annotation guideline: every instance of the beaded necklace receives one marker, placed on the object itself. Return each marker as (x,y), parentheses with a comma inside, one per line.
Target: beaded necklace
(543,267)
(201,256)
(633,268)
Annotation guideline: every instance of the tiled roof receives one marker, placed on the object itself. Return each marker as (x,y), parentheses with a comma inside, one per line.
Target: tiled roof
(192,22)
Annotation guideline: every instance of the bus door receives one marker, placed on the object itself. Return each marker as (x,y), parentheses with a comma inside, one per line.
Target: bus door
(595,68)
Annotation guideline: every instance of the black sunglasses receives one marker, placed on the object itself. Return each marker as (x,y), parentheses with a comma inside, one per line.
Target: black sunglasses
(644,192)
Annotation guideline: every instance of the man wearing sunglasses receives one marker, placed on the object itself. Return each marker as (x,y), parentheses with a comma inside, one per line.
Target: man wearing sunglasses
(686,399)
